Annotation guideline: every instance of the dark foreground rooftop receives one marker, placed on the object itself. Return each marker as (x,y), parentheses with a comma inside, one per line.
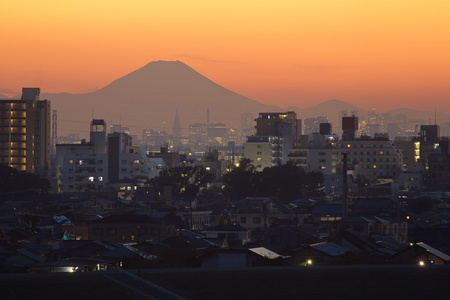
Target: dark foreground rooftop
(349,282)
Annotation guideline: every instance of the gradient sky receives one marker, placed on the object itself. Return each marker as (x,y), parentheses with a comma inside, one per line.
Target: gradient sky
(378,54)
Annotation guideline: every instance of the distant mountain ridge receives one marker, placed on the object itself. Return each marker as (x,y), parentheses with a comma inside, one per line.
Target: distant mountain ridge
(149,97)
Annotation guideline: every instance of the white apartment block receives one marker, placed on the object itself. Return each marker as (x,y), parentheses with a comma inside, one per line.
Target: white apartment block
(84,171)
(135,164)
(264,151)
(375,159)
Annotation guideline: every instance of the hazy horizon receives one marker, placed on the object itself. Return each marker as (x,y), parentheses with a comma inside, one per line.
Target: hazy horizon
(373,54)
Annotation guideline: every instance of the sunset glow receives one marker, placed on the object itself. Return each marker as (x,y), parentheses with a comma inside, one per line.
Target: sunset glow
(374,54)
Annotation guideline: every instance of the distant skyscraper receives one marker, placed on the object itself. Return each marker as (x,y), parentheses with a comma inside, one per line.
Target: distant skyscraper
(247,124)
(176,126)
(312,125)
(25,132)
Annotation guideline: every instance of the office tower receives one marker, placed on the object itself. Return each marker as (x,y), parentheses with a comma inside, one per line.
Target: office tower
(247,124)
(25,132)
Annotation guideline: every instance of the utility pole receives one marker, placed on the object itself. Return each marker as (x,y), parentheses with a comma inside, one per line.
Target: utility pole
(345,187)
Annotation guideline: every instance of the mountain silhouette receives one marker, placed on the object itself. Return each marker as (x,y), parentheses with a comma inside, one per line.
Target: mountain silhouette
(149,98)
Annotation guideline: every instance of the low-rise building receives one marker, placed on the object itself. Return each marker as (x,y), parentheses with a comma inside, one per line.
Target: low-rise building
(130,228)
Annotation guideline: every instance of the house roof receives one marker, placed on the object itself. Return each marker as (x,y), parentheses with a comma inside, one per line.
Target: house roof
(331,209)
(434,251)
(387,242)
(330,248)
(11,220)
(371,203)
(227,227)
(126,219)
(364,219)
(55,221)
(266,253)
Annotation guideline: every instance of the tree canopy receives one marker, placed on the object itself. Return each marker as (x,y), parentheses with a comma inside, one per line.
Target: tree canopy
(284,183)
(21,185)
(185,181)
(12,180)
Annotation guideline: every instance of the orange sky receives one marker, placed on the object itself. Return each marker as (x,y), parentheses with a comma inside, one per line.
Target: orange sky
(375,54)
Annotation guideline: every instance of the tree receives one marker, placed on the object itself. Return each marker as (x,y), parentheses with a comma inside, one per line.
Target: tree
(241,181)
(185,181)
(20,185)
(285,182)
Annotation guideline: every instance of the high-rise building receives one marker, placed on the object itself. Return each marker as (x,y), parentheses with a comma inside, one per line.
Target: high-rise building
(247,125)
(276,134)
(25,133)
(311,125)
(429,133)
(319,152)
(104,164)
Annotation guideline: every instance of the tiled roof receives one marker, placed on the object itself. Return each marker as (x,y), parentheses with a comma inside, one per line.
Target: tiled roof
(330,248)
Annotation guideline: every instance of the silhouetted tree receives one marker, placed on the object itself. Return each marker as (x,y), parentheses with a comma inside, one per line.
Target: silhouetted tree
(185,181)
(241,181)
(284,183)
(19,185)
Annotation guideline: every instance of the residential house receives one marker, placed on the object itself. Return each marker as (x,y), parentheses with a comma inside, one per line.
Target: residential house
(421,254)
(129,228)
(321,254)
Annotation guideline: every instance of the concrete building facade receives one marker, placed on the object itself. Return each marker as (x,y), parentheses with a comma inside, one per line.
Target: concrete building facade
(25,133)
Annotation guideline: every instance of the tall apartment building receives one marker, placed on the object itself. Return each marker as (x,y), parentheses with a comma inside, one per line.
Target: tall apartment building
(375,159)
(263,151)
(319,152)
(276,134)
(25,133)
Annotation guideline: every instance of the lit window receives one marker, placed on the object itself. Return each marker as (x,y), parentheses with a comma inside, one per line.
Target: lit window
(91,178)
(348,146)
(208,168)
(374,166)
(100,178)
(71,162)
(258,159)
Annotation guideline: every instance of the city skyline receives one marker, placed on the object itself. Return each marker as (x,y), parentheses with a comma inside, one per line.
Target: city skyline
(376,54)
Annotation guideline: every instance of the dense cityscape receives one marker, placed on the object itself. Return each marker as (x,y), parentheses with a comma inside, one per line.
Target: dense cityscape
(224,149)
(277,191)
